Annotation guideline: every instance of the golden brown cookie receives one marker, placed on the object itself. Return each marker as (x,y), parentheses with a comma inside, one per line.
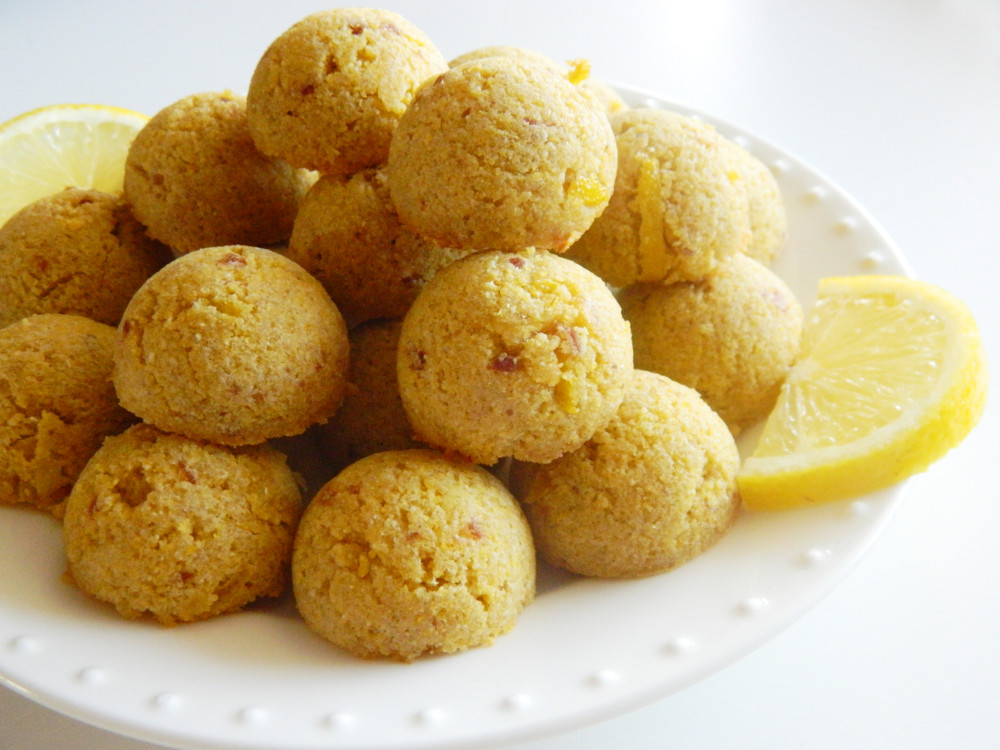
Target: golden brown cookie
(328,93)
(513,354)
(768,217)
(195,178)
(578,73)
(232,344)
(372,417)
(648,492)
(610,99)
(732,337)
(502,153)
(678,207)
(56,405)
(78,252)
(347,234)
(179,529)
(509,50)
(408,553)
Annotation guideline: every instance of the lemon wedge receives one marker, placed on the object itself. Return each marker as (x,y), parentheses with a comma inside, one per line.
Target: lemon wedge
(60,146)
(891,375)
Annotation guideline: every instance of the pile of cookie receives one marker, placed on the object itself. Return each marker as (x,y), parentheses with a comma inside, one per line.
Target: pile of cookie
(491,310)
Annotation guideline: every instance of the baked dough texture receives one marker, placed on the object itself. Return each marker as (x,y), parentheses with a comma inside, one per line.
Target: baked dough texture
(78,252)
(502,153)
(512,354)
(609,98)
(652,489)
(678,207)
(509,50)
(195,178)
(56,405)
(347,234)
(408,553)
(232,344)
(372,418)
(328,93)
(732,337)
(766,206)
(180,530)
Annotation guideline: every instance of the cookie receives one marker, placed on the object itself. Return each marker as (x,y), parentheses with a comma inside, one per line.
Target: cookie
(348,236)
(232,344)
(180,530)
(650,491)
(678,207)
(766,206)
(579,73)
(56,405)
(408,553)
(79,252)
(502,153)
(732,337)
(195,178)
(328,93)
(372,418)
(512,354)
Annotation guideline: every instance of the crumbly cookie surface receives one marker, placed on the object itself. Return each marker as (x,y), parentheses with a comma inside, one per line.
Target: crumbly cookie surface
(79,252)
(195,178)
(232,344)
(765,204)
(512,354)
(328,92)
(732,337)
(678,207)
(56,405)
(348,235)
(372,417)
(650,491)
(611,100)
(408,553)
(179,529)
(502,153)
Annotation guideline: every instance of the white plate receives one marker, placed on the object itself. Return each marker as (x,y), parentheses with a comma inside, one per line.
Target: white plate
(584,651)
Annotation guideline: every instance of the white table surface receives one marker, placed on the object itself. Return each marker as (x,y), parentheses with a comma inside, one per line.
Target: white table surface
(898,101)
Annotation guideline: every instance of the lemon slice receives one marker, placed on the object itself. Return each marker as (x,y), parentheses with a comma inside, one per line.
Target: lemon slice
(891,375)
(63,145)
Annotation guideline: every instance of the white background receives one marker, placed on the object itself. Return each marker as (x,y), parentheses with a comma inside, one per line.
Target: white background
(898,101)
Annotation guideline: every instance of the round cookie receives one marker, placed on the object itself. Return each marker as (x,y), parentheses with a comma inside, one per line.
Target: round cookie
(508,50)
(610,98)
(347,234)
(648,492)
(768,217)
(328,93)
(195,178)
(77,251)
(232,344)
(408,553)
(372,417)
(732,337)
(502,153)
(678,207)
(178,529)
(512,354)
(56,405)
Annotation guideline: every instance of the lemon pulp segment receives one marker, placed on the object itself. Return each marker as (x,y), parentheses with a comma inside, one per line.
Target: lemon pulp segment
(60,146)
